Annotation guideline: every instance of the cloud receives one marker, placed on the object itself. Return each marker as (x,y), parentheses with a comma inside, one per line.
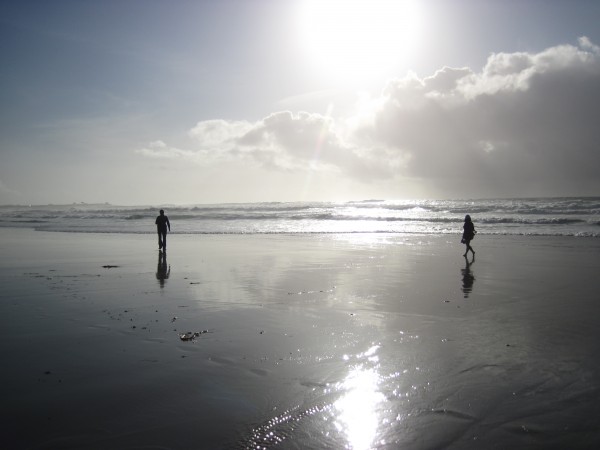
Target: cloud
(282,141)
(291,142)
(160,150)
(523,125)
(218,135)
(525,122)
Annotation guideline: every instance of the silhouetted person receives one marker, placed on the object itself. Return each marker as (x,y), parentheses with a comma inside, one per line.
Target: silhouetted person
(162,271)
(467,278)
(468,234)
(162,223)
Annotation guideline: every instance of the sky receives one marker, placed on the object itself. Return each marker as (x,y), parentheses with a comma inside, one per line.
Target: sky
(145,102)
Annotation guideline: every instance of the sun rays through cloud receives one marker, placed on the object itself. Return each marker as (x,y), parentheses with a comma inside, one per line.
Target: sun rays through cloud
(321,138)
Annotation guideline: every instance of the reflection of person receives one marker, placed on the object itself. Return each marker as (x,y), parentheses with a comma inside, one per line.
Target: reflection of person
(162,222)
(467,278)
(468,234)
(162,271)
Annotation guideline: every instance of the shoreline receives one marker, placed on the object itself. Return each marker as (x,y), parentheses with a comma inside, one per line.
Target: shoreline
(149,230)
(321,340)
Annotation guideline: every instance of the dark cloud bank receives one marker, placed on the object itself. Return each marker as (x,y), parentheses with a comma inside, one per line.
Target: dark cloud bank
(526,124)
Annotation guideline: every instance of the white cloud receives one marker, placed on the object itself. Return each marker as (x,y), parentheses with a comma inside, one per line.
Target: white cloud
(288,141)
(446,80)
(160,150)
(584,42)
(281,141)
(524,125)
(218,135)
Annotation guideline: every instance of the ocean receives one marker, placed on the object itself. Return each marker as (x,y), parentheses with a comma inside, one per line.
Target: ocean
(574,216)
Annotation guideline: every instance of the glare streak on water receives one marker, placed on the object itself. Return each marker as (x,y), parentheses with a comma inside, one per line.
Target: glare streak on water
(357,410)
(343,414)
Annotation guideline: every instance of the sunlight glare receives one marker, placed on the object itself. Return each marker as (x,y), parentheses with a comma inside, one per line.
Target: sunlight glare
(357,409)
(356,40)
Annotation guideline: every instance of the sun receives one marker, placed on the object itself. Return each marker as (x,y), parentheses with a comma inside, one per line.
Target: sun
(353,41)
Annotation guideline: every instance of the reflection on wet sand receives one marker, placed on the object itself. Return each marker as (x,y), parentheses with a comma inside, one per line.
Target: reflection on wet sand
(516,369)
(162,270)
(344,414)
(467,277)
(357,410)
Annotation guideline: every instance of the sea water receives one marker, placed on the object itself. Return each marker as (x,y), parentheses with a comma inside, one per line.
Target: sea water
(574,216)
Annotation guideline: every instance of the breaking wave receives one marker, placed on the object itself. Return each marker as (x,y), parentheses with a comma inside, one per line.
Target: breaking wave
(543,216)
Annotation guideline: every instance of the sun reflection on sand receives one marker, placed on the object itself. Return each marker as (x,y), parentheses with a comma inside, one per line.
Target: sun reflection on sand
(357,410)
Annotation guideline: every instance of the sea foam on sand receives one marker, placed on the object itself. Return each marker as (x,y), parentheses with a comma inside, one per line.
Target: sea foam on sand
(304,341)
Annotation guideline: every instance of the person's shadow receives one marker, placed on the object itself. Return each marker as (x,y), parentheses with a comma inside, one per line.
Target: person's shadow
(467,277)
(163,270)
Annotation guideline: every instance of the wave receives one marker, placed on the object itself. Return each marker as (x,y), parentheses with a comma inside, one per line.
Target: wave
(580,206)
(542,221)
(564,216)
(229,216)
(323,232)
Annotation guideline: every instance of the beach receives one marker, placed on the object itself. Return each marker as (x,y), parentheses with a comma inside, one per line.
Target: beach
(299,341)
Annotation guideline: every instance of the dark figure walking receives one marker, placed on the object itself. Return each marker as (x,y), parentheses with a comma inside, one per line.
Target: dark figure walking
(468,235)
(162,223)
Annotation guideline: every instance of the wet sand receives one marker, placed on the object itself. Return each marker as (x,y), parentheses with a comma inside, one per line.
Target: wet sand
(304,341)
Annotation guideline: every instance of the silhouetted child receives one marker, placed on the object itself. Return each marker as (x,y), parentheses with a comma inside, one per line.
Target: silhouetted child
(468,234)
